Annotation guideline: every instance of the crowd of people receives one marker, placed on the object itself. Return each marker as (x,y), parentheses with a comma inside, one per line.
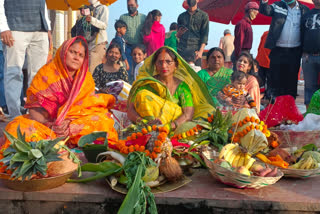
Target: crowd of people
(78,90)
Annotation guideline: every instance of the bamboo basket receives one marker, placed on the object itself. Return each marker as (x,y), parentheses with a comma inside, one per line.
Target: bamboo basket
(236,179)
(292,138)
(299,173)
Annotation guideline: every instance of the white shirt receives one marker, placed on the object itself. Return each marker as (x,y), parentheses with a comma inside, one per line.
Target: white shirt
(290,35)
(194,67)
(3,19)
(136,69)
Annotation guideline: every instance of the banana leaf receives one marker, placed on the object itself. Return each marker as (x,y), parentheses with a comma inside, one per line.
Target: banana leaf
(90,138)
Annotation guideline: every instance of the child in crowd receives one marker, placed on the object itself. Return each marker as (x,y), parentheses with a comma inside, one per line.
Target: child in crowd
(235,90)
(171,38)
(121,28)
(138,56)
(190,57)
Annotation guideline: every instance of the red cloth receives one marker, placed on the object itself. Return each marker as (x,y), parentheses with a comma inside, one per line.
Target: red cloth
(283,109)
(243,36)
(155,39)
(263,53)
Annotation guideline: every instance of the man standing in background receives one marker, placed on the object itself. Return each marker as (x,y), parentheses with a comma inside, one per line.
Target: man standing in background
(311,51)
(226,44)
(24,28)
(133,36)
(243,31)
(193,30)
(97,47)
(284,40)
(3,104)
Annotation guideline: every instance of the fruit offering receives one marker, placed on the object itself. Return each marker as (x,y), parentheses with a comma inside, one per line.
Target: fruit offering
(249,131)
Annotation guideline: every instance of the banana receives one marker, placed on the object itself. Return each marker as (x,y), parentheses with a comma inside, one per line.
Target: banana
(241,160)
(231,154)
(250,163)
(226,149)
(307,162)
(236,160)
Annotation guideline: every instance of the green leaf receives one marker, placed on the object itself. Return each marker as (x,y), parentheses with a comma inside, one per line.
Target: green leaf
(20,157)
(197,157)
(88,139)
(48,145)
(131,198)
(35,153)
(310,147)
(25,167)
(9,150)
(20,136)
(7,159)
(99,167)
(16,143)
(99,175)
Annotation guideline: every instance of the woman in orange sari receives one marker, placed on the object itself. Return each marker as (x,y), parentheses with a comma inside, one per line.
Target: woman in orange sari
(62,101)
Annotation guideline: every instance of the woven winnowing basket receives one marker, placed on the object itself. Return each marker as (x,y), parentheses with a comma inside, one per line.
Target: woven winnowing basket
(236,179)
(293,138)
(301,173)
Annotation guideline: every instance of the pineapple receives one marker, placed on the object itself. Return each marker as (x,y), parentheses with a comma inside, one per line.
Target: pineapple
(26,159)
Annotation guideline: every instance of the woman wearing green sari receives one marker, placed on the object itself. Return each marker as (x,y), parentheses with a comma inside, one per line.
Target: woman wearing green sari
(314,106)
(216,76)
(168,91)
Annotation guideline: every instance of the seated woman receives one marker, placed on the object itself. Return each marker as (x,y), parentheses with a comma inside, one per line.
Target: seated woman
(62,101)
(168,91)
(111,70)
(314,106)
(216,76)
(245,64)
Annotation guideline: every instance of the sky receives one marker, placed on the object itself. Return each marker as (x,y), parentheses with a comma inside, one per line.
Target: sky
(170,10)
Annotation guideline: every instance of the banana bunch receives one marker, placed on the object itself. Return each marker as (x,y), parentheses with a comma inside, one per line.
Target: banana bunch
(233,154)
(308,162)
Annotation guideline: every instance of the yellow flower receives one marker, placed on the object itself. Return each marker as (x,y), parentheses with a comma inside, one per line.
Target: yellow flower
(267,133)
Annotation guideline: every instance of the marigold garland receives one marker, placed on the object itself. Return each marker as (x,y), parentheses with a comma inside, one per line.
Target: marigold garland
(163,133)
(193,131)
(261,126)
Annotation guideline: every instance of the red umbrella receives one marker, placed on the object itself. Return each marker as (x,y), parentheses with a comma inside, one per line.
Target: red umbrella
(226,11)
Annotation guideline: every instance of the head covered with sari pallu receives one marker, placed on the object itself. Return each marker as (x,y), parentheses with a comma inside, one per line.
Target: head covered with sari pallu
(202,102)
(66,97)
(56,79)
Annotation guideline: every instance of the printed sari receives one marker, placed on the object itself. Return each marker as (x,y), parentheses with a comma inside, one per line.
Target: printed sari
(253,89)
(217,82)
(65,98)
(157,102)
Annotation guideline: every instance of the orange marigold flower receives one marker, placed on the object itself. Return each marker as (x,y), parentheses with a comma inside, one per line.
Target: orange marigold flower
(212,116)
(154,155)
(157,149)
(240,124)
(144,131)
(139,134)
(134,136)
(236,139)
(247,118)
(147,152)
(245,131)
(248,128)
(166,130)
(252,126)
(257,121)
(230,131)
(195,129)
(136,147)
(129,138)
(253,119)
(209,119)
(154,128)
(131,148)
(157,143)
(191,132)
(240,134)
(188,133)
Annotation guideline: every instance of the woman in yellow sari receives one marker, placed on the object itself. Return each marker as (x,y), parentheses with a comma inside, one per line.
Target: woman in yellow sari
(62,101)
(168,91)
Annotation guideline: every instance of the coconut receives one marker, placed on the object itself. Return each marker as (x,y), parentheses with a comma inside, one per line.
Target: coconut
(170,168)
(66,165)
